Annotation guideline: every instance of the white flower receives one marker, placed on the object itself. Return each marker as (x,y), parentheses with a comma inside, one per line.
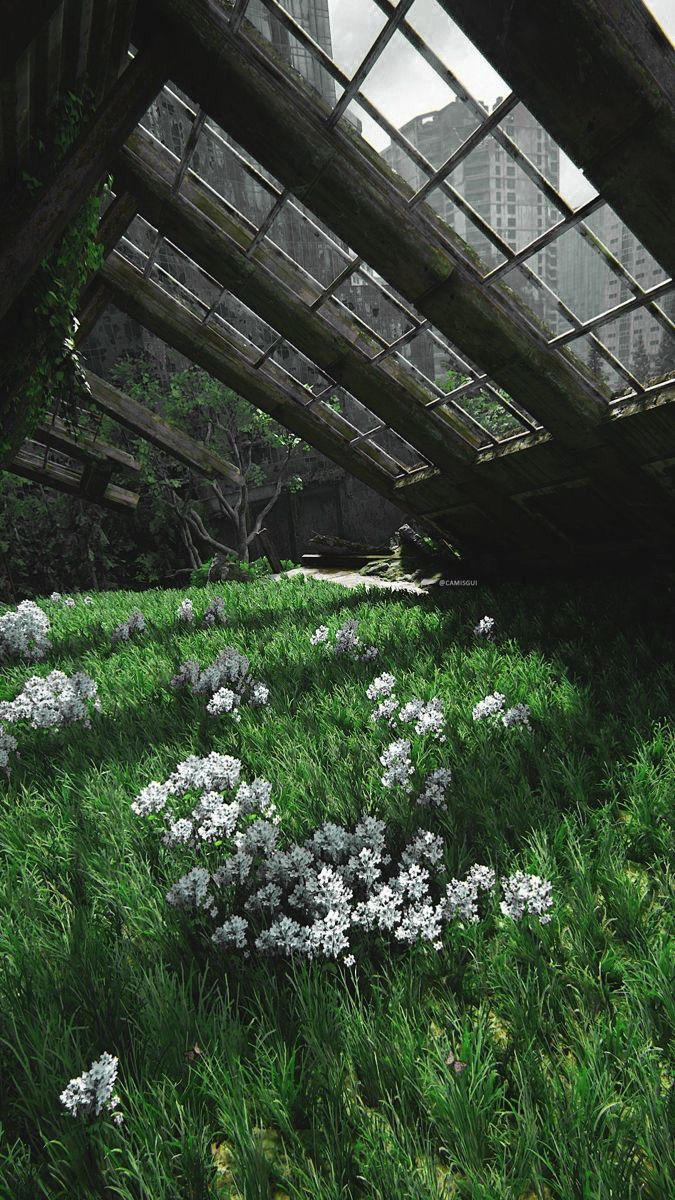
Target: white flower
(518,715)
(485,628)
(489,707)
(153,798)
(526,894)
(435,786)
(319,635)
(185,612)
(134,624)
(386,708)
(231,933)
(427,715)
(215,613)
(7,744)
(259,695)
(87,600)
(55,700)
(69,602)
(396,760)
(223,701)
(23,633)
(191,890)
(382,685)
(92,1091)
(349,960)
(55,596)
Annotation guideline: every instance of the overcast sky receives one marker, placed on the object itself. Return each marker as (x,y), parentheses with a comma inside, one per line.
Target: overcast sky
(402,85)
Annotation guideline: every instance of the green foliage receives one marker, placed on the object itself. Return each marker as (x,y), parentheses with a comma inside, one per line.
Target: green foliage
(57,377)
(257,569)
(482,407)
(305,1078)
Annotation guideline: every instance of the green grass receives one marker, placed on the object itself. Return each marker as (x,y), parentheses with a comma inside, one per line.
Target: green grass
(312,1081)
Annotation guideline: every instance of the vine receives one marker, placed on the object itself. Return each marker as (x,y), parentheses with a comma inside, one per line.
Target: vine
(57,380)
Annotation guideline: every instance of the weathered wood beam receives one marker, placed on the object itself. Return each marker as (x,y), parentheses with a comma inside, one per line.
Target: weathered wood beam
(278,291)
(84,449)
(175,325)
(600,76)
(27,239)
(29,466)
(21,23)
(282,122)
(147,425)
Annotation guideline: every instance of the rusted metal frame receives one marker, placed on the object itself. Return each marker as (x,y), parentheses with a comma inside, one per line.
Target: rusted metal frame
(238,14)
(383,38)
(28,241)
(471,143)
(268,221)
(619,310)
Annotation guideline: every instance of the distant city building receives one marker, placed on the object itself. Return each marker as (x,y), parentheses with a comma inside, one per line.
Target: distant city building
(590,287)
(495,187)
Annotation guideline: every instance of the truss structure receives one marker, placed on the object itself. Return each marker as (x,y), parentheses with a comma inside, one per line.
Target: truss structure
(252,205)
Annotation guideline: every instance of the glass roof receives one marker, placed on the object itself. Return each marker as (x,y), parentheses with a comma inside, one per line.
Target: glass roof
(439,116)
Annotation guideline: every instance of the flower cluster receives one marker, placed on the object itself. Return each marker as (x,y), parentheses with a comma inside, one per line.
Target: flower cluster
(215,613)
(55,700)
(23,633)
(434,791)
(91,1092)
(347,641)
(185,612)
(68,601)
(7,744)
(311,898)
(226,682)
(526,894)
(493,706)
(485,629)
(427,714)
(134,624)
(397,765)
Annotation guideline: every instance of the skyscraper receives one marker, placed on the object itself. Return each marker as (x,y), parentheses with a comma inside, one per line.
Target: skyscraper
(493,184)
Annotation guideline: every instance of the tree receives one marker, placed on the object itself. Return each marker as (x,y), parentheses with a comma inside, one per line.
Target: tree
(641,364)
(263,452)
(596,365)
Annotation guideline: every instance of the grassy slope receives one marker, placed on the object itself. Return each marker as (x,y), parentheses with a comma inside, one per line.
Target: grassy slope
(563,1028)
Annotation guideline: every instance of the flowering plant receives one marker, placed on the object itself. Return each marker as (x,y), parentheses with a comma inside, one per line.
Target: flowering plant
(91,1092)
(347,641)
(492,707)
(312,898)
(7,744)
(485,629)
(226,681)
(23,633)
(135,623)
(55,700)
